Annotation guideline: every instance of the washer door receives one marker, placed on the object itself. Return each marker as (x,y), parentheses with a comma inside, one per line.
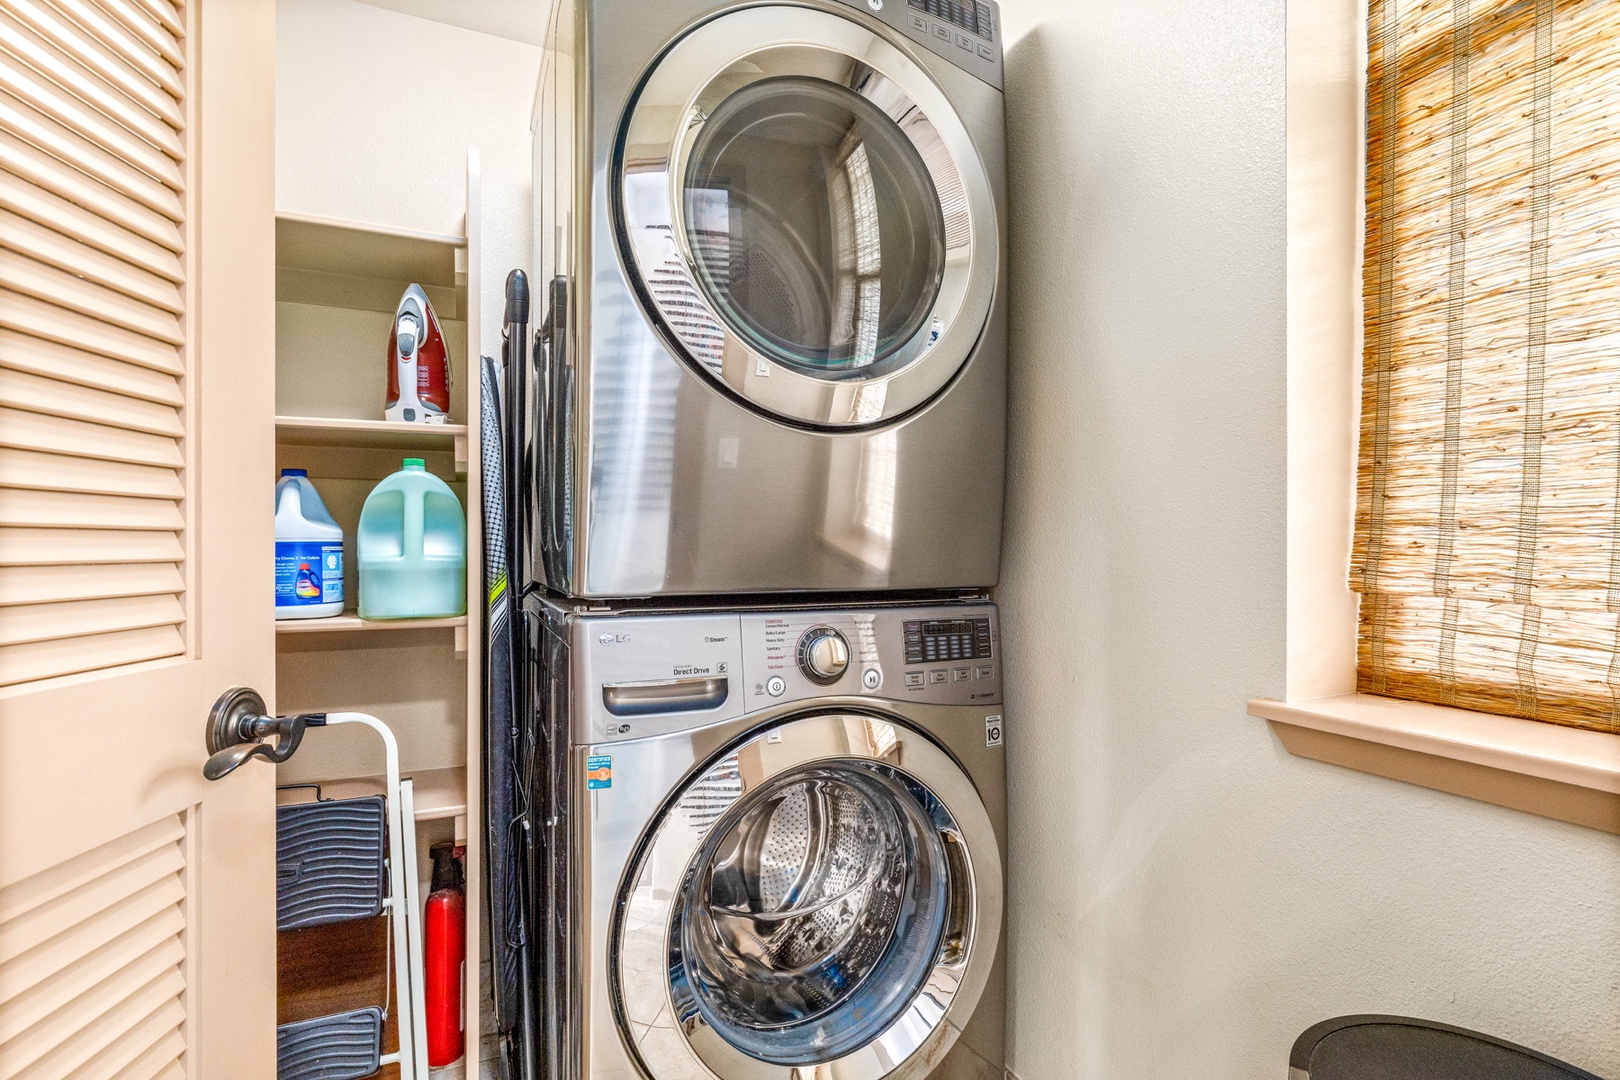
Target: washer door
(826,900)
(809,222)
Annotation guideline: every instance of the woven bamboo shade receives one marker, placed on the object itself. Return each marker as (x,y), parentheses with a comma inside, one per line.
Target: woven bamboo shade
(1487,547)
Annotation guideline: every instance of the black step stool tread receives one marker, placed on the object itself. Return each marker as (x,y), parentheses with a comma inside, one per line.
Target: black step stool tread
(331,861)
(344,1046)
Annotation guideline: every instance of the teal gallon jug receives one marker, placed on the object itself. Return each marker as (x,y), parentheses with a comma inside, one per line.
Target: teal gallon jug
(309,551)
(412,548)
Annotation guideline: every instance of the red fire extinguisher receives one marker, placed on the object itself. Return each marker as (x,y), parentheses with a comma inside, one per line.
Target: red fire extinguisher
(444,939)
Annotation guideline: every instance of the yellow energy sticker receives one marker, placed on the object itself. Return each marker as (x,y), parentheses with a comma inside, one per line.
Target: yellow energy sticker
(598,772)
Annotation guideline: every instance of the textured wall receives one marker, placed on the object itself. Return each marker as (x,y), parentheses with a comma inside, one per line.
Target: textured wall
(375,111)
(1186,897)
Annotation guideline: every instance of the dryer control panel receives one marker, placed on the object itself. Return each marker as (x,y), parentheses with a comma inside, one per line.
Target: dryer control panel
(645,675)
(965,32)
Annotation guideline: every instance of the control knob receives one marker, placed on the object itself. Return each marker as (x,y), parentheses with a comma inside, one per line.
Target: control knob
(823,654)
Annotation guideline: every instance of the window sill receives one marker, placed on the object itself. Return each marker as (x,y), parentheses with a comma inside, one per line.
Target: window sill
(1558,772)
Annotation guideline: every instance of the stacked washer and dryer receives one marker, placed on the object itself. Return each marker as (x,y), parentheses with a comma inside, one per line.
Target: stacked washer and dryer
(760,454)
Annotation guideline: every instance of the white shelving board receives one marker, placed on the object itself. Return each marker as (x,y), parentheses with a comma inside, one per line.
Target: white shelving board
(382,434)
(349,622)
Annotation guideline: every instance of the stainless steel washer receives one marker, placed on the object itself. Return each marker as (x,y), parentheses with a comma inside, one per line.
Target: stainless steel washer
(771,247)
(774,843)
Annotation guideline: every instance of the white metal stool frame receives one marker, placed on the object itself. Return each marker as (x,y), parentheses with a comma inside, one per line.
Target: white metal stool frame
(403,908)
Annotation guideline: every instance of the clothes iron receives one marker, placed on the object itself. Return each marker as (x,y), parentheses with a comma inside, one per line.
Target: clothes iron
(418,363)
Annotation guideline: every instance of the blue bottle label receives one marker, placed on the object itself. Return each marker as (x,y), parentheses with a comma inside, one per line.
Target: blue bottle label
(308,572)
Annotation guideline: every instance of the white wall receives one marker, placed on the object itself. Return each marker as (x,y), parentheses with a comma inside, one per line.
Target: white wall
(375,111)
(1186,897)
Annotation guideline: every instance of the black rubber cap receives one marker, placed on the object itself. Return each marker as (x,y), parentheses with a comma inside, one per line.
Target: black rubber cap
(517,297)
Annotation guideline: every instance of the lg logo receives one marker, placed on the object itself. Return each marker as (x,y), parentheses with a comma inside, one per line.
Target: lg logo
(609,639)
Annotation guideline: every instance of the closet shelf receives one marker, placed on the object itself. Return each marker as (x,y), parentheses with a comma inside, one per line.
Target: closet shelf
(363,249)
(349,622)
(438,793)
(370,434)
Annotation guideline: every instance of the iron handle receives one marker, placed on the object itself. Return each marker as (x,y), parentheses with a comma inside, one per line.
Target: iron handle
(237,724)
(406,335)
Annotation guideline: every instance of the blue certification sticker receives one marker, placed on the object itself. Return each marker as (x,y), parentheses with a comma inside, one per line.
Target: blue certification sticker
(598,772)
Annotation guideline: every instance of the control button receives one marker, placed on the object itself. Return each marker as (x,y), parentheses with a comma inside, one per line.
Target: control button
(871,678)
(938,676)
(916,21)
(777,686)
(914,678)
(987,52)
(962,674)
(983,672)
(964,42)
(940,30)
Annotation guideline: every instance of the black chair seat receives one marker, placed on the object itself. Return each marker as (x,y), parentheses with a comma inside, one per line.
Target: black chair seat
(1400,1048)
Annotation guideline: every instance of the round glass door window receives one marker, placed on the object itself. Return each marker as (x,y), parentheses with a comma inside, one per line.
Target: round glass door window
(814,225)
(806,217)
(814,913)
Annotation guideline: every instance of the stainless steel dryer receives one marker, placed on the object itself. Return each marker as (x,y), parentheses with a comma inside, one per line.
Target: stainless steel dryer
(773,843)
(771,339)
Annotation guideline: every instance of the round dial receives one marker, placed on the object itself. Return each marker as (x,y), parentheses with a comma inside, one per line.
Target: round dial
(823,654)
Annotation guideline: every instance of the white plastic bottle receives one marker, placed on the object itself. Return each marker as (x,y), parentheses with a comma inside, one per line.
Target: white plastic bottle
(309,551)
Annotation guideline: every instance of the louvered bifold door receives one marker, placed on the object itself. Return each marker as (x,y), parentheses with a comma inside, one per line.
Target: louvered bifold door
(92,335)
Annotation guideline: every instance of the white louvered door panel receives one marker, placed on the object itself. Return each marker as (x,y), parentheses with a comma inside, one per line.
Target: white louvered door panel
(92,336)
(92,962)
(137,918)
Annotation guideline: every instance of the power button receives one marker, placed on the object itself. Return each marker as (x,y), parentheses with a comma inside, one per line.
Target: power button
(871,678)
(776,687)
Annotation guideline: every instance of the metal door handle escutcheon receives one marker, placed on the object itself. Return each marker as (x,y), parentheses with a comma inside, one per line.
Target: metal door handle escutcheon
(237,723)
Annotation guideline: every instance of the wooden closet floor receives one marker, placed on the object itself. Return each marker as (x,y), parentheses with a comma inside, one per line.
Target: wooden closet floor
(322,970)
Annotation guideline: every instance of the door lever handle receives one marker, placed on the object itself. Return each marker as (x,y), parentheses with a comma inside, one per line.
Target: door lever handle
(236,725)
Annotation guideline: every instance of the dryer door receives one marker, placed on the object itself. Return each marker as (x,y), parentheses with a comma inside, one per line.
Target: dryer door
(809,224)
(825,899)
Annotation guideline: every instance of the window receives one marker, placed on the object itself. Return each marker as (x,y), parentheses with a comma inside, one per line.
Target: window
(1487,536)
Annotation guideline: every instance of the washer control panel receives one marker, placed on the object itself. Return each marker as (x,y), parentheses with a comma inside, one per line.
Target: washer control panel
(965,32)
(932,640)
(643,675)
